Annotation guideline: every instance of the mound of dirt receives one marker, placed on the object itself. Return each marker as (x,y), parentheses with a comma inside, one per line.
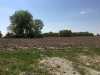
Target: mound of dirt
(59,66)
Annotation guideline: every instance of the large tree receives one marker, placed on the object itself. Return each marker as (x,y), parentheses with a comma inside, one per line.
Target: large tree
(23,25)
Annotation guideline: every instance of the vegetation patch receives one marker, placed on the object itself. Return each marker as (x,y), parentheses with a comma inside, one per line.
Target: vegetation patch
(27,61)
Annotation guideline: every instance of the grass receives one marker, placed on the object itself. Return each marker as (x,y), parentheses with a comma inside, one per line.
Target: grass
(26,61)
(20,61)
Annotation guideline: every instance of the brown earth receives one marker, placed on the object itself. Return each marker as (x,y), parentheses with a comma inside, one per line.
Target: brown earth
(51,42)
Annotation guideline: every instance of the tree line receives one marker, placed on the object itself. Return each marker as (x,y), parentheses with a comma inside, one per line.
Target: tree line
(23,25)
(67,33)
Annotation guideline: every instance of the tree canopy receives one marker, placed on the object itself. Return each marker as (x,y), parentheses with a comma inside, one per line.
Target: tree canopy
(23,24)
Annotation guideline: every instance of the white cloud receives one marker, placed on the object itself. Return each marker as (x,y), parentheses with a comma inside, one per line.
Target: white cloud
(83,12)
(86,11)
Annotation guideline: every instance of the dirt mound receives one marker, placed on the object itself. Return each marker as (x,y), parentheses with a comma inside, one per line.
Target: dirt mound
(58,66)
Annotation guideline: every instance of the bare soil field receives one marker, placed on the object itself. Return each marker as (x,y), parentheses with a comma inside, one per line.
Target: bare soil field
(51,42)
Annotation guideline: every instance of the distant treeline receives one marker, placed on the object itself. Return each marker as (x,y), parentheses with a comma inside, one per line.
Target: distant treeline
(62,33)
(67,33)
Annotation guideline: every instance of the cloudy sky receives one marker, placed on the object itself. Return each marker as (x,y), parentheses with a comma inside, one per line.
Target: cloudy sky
(77,15)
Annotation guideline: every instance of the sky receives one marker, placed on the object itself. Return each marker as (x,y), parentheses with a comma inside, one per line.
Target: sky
(77,15)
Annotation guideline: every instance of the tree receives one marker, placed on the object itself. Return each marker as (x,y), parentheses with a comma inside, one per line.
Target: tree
(23,25)
(65,33)
(38,25)
(0,34)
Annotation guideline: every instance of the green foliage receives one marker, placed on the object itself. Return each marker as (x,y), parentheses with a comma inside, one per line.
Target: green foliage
(38,25)
(27,60)
(23,25)
(67,33)
(82,34)
(51,34)
(64,33)
(21,61)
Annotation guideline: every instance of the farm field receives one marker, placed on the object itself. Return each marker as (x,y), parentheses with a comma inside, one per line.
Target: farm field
(50,42)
